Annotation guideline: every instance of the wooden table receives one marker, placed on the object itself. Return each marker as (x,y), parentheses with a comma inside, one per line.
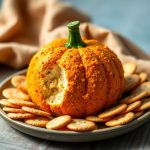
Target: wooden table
(130,18)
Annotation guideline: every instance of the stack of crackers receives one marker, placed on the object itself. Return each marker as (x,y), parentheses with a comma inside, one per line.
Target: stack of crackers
(134,103)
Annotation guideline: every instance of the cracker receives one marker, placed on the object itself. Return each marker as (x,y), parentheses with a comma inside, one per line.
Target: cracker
(15,93)
(143,76)
(58,122)
(19,82)
(145,105)
(97,119)
(121,120)
(131,81)
(20,102)
(36,111)
(13,110)
(134,97)
(4,102)
(37,121)
(113,111)
(138,114)
(132,107)
(81,125)
(20,115)
(129,68)
(143,87)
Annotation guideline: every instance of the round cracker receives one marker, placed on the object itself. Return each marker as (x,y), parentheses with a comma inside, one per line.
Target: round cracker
(131,82)
(138,114)
(134,97)
(13,110)
(81,125)
(15,93)
(113,111)
(145,105)
(129,68)
(121,120)
(20,115)
(132,107)
(58,122)
(35,111)
(19,82)
(97,119)
(143,87)
(37,121)
(20,102)
(5,102)
(143,76)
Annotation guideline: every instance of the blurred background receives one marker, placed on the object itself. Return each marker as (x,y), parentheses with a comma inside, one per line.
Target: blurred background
(129,17)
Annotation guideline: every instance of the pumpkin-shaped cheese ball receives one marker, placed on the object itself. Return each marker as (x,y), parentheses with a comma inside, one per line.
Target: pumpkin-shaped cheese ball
(75,77)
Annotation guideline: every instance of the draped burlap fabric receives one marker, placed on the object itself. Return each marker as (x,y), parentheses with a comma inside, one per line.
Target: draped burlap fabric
(26,25)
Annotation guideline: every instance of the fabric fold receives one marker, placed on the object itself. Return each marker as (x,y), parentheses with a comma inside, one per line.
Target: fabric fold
(26,25)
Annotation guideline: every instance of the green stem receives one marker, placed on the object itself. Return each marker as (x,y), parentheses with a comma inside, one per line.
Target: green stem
(74,39)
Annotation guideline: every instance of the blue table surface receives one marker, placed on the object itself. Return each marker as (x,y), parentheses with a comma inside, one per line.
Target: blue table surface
(129,17)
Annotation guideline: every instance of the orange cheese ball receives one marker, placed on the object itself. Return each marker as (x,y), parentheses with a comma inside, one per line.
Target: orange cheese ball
(75,81)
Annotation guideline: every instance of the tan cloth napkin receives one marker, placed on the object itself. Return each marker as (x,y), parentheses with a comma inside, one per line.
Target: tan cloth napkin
(26,25)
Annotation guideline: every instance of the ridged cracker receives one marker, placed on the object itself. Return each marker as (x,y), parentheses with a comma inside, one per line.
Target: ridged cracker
(19,82)
(58,122)
(121,120)
(129,68)
(37,121)
(81,125)
(134,97)
(145,104)
(143,76)
(20,102)
(15,93)
(97,119)
(5,102)
(20,115)
(13,110)
(36,111)
(138,114)
(113,111)
(132,107)
(143,87)
(131,82)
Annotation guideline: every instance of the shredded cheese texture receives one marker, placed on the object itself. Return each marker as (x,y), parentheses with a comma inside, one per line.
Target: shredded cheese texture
(54,84)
